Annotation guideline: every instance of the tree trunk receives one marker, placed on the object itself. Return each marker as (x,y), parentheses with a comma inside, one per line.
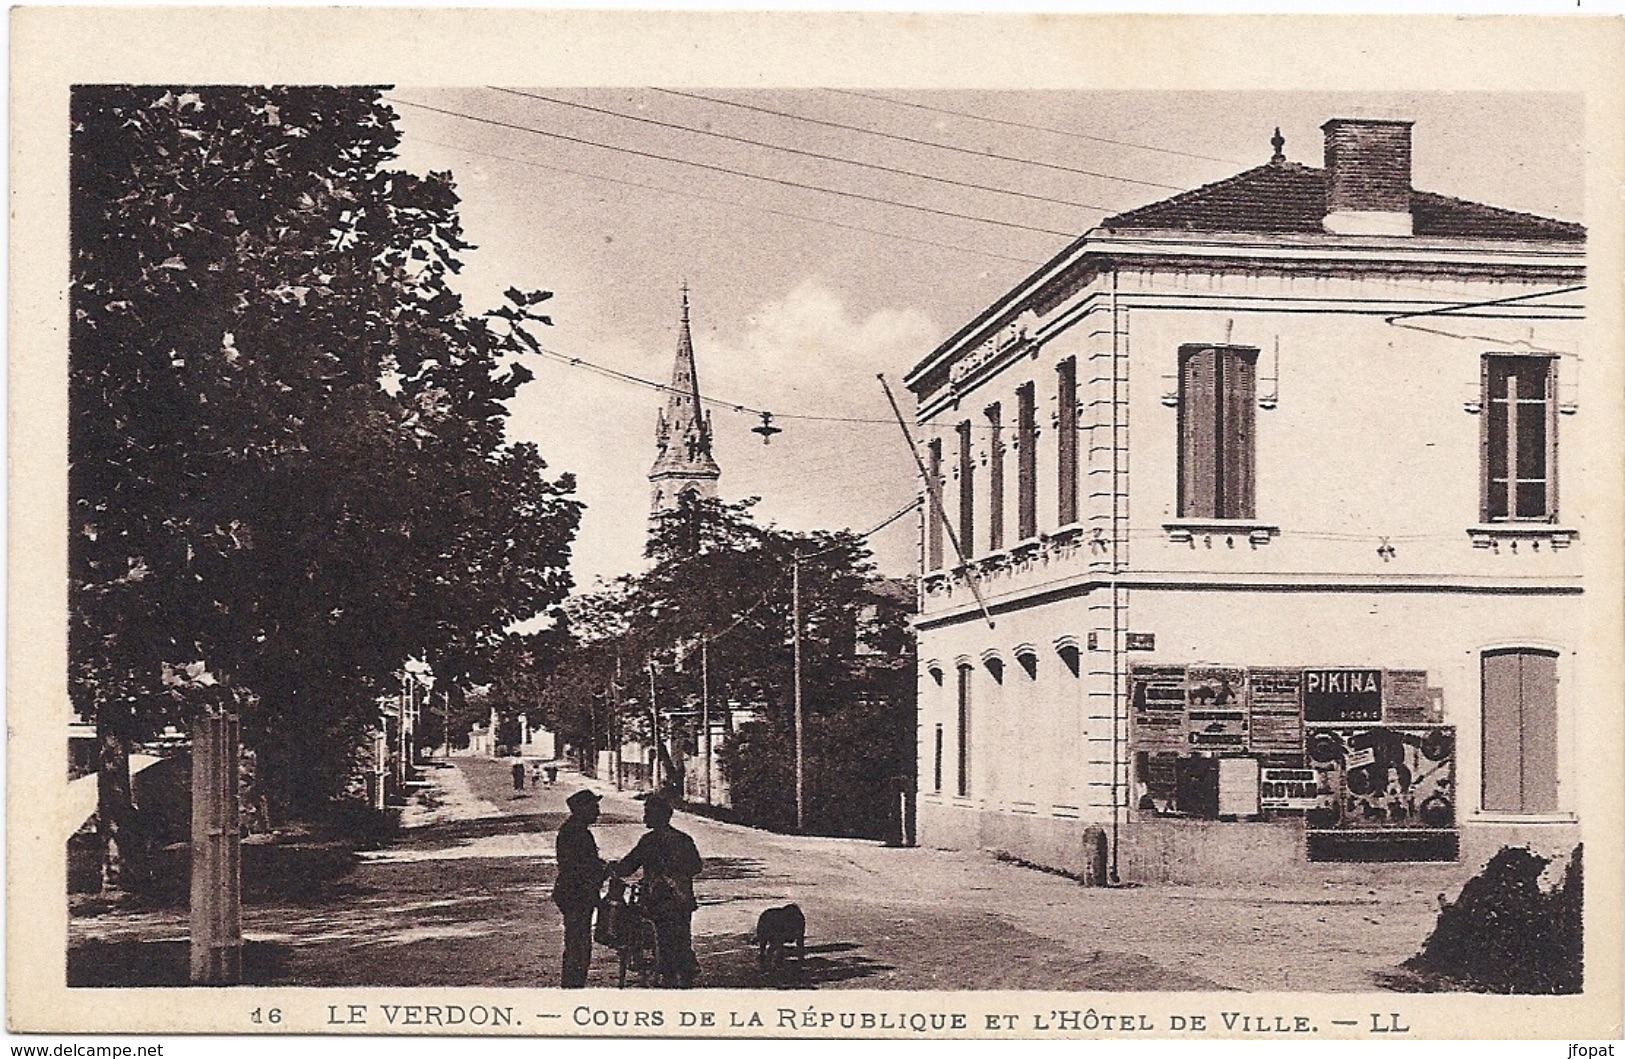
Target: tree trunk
(112,792)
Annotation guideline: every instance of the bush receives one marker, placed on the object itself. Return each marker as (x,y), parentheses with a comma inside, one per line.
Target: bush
(1503,934)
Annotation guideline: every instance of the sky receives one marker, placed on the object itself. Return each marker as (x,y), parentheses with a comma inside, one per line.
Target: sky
(613,198)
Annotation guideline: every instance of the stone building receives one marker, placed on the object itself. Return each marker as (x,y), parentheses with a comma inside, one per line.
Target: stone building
(684,464)
(1266,492)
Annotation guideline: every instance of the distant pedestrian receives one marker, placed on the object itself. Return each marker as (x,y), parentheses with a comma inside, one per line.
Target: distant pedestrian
(552,775)
(581,873)
(535,774)
(670,861)
(519,776)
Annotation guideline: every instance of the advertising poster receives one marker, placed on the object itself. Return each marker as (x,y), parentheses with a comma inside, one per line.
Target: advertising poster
(1158,703)
(1276,721)
(1340,696)
(1218,708)
(1383,779)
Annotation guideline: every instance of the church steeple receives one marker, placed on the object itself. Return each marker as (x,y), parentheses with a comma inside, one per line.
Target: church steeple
(684,463)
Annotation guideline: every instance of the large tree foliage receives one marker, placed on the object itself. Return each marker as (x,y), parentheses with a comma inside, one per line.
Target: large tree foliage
(721,579)
(287,456)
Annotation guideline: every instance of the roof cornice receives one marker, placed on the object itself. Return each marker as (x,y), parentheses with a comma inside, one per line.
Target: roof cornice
(1100,250)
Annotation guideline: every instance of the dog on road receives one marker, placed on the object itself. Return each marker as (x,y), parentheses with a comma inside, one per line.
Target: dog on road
(776,930)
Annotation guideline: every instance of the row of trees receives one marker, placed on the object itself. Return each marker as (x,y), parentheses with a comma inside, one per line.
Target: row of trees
(287,465)
(721,578)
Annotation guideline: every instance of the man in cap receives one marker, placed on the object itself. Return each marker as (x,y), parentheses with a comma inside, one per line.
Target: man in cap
(670,861)
(581,873)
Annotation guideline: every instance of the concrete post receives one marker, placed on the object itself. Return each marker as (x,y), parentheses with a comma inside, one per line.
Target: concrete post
(217,883)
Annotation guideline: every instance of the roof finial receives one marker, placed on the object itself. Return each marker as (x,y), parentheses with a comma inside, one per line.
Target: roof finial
(1279,143)
(685,301)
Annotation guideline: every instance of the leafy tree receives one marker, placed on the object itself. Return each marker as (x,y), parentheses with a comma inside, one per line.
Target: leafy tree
(287,462)
(722,579)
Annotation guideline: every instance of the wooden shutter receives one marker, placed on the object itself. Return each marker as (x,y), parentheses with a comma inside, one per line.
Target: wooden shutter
(995,480)
(933,506)
(1502,737)
(1538,700)
(967,491)
(1520,731)
(964,731)
(1066,440)
(1198,438)
(1238,387)
(1026,465)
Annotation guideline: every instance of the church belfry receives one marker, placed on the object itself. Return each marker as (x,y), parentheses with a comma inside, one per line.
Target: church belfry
(684,463)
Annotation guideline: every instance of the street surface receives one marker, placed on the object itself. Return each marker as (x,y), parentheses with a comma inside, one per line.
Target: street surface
(462,898)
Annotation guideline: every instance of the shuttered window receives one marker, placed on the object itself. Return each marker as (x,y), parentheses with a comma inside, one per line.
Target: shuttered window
(1519,438)
(933,506)
(937,773)
(1066,439)
(1026,465)
(1520,731)
(967,491)
(995,479)
(964,731)
(1217,388)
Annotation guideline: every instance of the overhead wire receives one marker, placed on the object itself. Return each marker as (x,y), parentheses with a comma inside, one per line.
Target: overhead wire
(729,171)
(732,202)
(1031,127)
(922,143)
(801,152)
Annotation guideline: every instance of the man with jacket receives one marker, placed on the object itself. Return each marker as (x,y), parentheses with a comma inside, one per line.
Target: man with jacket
(669,861)
(581,873)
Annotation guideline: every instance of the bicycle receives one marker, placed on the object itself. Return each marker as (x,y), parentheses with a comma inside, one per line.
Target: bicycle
(625,927)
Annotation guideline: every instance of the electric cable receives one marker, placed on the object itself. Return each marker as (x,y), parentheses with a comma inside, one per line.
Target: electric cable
(731,202)
(1033,128)
(781,181)
(894,170)
(924,143)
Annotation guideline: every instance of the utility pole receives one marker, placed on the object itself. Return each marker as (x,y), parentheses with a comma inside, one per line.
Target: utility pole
(795,640)
(705,710)
(654,715)
(615,697)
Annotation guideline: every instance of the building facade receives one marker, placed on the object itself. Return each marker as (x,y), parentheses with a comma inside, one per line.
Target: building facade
(1256,544)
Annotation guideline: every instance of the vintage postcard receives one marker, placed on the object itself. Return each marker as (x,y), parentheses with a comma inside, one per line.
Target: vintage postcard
(546,523)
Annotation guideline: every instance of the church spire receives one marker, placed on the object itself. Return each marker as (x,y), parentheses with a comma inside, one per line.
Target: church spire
(684,463)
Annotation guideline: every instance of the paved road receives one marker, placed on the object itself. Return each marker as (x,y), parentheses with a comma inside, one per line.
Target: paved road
(462,899)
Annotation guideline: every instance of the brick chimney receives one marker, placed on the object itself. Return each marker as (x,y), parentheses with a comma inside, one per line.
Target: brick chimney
(1368,176)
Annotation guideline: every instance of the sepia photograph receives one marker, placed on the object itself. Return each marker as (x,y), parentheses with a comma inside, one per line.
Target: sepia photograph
(930,542)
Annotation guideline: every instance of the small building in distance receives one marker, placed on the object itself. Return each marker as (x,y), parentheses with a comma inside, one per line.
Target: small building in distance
(1266,489)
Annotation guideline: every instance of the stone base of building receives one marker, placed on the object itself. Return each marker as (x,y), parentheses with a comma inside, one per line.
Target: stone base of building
(1167,850)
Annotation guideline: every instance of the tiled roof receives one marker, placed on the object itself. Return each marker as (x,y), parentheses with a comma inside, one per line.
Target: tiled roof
(1286,197)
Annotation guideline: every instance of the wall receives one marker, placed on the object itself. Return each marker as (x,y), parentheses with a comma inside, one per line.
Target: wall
(1369,442)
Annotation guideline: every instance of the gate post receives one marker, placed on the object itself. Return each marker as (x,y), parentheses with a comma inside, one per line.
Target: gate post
(217,884)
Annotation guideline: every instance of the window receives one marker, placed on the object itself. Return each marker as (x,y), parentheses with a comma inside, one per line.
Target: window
(1066,439)
(937,774)
(1026,465)
(1216,390)
(1519,438)
(964,731)
(1520,731)
(967,491)
(995,480)
(933,506)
